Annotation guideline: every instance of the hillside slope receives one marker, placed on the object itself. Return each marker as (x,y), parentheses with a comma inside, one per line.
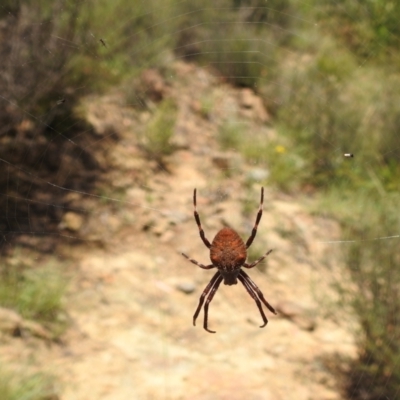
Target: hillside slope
(132,294)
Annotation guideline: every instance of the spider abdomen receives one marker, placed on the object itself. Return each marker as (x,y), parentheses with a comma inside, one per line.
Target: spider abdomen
(228,251)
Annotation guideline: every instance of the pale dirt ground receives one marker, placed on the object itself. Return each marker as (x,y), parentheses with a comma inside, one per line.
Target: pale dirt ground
(131,333)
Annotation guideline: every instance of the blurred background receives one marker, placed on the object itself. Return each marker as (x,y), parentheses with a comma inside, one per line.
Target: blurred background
(111,113)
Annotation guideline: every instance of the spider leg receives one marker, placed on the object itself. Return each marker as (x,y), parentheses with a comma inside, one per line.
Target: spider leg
(253,264)
(197,263)
(204,294)
(258,291)
(251,292)
(197,218)
(208,301)
(259,214)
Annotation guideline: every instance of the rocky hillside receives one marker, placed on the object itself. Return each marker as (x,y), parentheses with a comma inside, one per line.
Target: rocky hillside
(132,295)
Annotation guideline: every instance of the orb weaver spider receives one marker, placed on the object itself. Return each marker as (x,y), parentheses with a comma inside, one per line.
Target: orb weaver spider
(228,253)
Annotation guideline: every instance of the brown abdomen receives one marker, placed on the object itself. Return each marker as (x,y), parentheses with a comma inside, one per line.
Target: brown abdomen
(228,251)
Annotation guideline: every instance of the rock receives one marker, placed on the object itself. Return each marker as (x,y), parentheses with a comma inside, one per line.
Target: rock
(257,174)
(36,329)
(98,119)
(251,106)
(186,287)
(122,182)
(247,98)
(71,221)
(159,226)
(153,84)
(184,129)
(10,321)
(195,105)
(298,314)
(221,161)
(13,324)
(167,236)
(225,161)
(176,217)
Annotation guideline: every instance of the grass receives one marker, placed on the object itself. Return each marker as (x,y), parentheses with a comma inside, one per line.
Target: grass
(323,96)
(327,103)
(372,289)
(319,97)
(239,54)
(40,30)
(207,104)
(286,163)
(36,294)
(364,27)
(231,135)
(337,90)
(160,130)
(232,40)
(22,386)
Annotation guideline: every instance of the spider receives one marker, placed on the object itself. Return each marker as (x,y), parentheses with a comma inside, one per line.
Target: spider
(228,254)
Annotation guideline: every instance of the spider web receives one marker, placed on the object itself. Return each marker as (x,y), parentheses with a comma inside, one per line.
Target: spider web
(225,97)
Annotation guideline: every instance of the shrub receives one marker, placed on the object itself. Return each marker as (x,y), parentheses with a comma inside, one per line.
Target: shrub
(36,294)
(231,135)
(17,386)
(367,27)
(330,107)
(238,39)
(240,54)
(49,48)
(159,131)
(372,291)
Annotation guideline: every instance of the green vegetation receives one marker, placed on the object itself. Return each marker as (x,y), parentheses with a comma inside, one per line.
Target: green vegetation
(331,100)
(321,101)
(332,104)
(328,73)
(20,386)
(207,104)
(231,41)
(36,294)
(310,76)
(160,129)
(286,164)
(240,58)
(373,288)
(366,27)
(231,135)
(57,49)
(328,100)
(323,94)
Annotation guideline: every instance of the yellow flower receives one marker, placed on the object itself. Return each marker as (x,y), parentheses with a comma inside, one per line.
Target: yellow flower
(280,149)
